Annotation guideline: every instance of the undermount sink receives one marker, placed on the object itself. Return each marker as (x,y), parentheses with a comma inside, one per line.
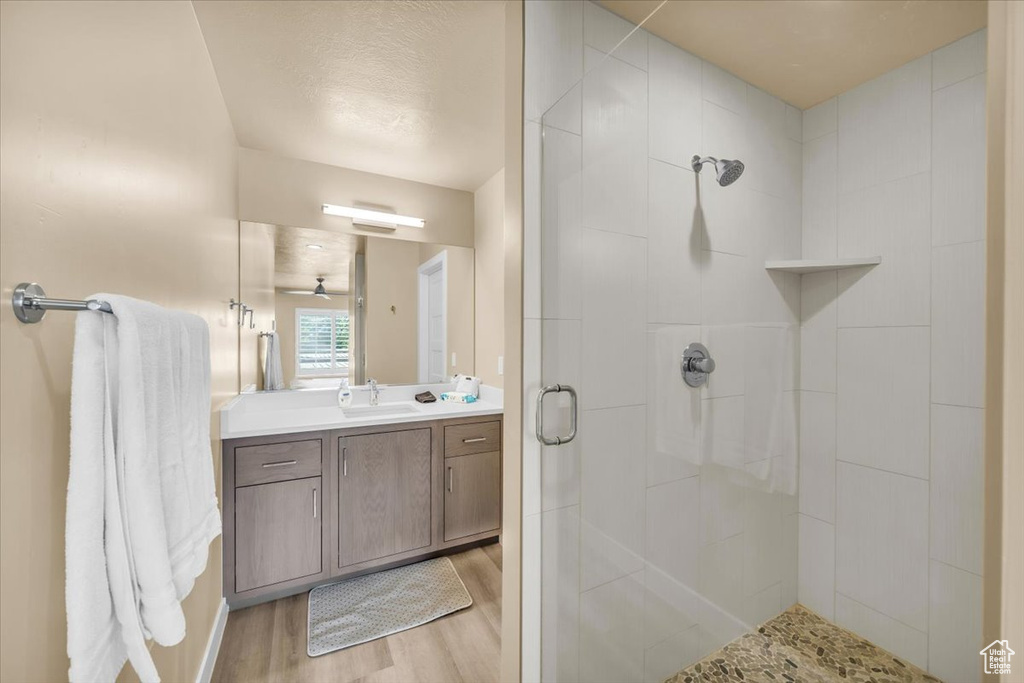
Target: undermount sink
(372,411)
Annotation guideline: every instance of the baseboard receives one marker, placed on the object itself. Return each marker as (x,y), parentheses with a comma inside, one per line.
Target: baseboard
(213,644)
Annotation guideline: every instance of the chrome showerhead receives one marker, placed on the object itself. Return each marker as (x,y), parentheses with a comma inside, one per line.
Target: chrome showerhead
(727,171)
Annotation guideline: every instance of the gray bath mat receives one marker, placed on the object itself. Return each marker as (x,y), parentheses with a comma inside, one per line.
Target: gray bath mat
(376,605)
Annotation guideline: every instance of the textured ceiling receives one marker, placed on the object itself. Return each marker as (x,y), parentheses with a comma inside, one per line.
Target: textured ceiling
(296,266)
(806,52)
(409,89)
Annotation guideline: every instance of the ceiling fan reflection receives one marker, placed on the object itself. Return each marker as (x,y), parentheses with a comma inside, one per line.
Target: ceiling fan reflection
(319,291)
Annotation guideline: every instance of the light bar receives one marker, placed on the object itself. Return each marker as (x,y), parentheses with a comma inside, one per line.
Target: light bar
(380,218)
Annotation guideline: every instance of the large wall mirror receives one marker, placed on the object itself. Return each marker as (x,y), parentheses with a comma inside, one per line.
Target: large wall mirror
(355,306)
(417,294)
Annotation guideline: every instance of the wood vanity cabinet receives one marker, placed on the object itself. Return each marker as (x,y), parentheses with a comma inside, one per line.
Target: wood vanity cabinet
(303,509)
(383,495)
(277,532)
(472,486)
(472,497)
(274,501)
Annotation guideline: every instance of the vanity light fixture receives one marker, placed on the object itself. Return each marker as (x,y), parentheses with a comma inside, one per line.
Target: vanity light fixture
(377,219)
(316,247)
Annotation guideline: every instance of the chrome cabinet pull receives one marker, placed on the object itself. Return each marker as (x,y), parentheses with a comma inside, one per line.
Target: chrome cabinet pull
(451,480)
(476,440)
(314,503)
(344,462)
(282,463)
(557,440)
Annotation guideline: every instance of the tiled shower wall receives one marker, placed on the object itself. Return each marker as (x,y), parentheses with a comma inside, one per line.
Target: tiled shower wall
(627,519)
(892,378)
(669,526)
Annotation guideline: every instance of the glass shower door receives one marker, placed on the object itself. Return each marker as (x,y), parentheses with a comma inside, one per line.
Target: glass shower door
(666,527)
(594,337)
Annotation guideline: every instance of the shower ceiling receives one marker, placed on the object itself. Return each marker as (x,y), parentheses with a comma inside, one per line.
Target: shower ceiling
(806,52)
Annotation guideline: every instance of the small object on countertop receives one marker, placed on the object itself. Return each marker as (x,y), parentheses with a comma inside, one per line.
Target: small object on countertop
(426,397)
(467,384)
(344,394)
(457,397)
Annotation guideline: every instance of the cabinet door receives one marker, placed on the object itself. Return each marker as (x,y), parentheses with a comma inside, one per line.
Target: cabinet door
(383,495)
(472,494)
(277,532)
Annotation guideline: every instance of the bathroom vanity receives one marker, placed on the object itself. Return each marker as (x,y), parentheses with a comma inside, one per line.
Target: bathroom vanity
(314,493)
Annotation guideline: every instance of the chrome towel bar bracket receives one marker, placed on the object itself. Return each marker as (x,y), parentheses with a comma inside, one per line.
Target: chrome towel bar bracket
(31,304)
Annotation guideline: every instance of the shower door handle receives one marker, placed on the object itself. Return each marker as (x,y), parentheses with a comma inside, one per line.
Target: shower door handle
(557,440)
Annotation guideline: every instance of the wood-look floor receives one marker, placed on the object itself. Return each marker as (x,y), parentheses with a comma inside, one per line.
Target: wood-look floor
(267,643)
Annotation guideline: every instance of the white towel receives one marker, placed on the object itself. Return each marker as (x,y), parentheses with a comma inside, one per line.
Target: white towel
(467,384)
(273,375)
(142,506)
(674,407)
(754,430)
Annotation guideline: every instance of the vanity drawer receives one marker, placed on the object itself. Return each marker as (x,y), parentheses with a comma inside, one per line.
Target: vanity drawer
(277,462)
(479,437)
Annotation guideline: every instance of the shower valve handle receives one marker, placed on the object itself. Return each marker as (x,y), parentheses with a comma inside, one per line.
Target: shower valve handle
(696,365)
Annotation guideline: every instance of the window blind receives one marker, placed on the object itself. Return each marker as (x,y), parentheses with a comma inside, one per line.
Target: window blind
(322,341)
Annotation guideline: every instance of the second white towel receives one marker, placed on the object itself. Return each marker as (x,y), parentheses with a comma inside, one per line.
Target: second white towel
(273,375)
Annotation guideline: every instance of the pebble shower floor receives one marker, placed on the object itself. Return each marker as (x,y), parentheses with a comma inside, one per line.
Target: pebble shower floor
(798,646)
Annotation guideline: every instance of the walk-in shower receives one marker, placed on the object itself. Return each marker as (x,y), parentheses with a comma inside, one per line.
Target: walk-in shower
(727,171)
(689,509)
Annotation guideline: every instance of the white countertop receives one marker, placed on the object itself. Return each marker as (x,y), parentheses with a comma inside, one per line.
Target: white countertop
(307,410)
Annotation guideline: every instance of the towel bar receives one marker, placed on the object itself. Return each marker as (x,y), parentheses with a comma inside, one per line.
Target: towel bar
(31,304)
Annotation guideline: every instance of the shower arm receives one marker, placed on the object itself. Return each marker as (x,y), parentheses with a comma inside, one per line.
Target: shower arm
(699,161)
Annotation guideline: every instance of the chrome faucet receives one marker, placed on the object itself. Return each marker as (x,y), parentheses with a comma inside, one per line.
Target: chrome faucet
(374,392)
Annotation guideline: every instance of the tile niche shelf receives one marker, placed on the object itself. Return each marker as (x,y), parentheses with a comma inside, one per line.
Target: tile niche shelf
(801,266)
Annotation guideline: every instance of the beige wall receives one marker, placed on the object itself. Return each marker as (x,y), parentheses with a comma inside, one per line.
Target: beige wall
(391,337)
(392,280)
(256,290)
(512,459)
(460,308)
(489,245)
(285,191)
(1013,341)
(1004,357)
(118,174)
(285,312)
